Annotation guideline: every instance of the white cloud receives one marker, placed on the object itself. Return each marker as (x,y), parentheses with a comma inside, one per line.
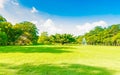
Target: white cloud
(44,22)
(35,22)
(48,23)
(14,2)
(50,27)
(34,10)
(89,26)
(2,2)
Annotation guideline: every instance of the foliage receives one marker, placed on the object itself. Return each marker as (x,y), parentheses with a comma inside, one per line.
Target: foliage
(23,33)
(104,36)
(26,27)
(7,28)
(3,38)
(2,19)
(43,38)
(62,38)
(24,39)
(26,33)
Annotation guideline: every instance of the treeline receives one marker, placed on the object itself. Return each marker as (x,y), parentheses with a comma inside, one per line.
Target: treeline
(109,36)
(44,38)
(26,33)
(97,36)
(103,36)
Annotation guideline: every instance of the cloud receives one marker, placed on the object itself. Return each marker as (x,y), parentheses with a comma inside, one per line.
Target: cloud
(2,2)
(14,2)
(50,27)
(20,13)
(89,26)
(43,21)
(35,22)
(34,10)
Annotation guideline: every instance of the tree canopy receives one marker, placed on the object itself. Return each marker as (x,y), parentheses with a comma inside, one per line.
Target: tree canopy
(104,36)
(23,33)
(2,19)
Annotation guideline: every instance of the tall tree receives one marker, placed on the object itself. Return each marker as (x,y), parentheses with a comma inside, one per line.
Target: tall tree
(26,27)
(43,38)
(7,28)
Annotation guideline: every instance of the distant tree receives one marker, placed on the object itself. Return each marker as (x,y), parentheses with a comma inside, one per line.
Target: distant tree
(104,36)
(26,27)
(62,38)
(79,39)
(67,38)
(43,38)
(116,39)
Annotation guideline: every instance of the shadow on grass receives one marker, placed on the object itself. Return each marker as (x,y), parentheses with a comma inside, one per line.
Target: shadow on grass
(23,49)
(64,69)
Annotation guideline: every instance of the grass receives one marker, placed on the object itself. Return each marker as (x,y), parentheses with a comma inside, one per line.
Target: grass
(59,60)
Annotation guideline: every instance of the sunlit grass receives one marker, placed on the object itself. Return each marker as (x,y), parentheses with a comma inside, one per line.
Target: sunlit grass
(57,60)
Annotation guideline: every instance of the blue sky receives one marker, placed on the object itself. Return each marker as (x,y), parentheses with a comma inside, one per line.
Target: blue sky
(62,16)
(75,8)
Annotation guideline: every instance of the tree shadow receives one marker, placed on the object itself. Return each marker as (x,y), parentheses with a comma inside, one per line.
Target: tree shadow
(22,49)
(63,69)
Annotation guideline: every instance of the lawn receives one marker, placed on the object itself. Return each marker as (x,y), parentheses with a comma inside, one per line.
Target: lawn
(59,60)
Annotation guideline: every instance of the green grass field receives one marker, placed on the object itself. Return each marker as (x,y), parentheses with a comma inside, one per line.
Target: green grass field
(59,60)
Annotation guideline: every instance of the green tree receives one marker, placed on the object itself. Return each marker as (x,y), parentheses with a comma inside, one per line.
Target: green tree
(7,28)
(116,39)
(79,39)
(67,38)
(2,19)
(43,38)
(62,38)
(3,38)
(104,36)
(26,27)
(24,39)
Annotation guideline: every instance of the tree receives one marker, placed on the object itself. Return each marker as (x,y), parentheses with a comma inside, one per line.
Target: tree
(67,38)
(7,28)
(116,39)
(2,19)
(43,38)
(79,39)
(26,27)
(3,38)
(104,36)
(62,38)
(24,39)
(52,39)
